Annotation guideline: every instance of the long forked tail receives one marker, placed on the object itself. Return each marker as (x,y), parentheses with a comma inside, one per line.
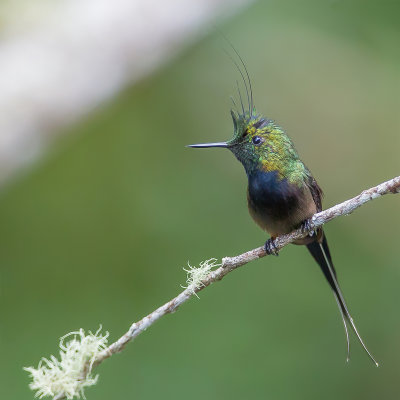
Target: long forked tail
(321,254)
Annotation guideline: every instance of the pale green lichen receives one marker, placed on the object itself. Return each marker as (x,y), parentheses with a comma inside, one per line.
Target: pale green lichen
(70,374)
(196,275)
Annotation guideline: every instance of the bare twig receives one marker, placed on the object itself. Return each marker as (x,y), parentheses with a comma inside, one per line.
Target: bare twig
(231,263)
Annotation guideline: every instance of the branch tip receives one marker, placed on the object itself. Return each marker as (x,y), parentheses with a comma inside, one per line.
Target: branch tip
(68,377)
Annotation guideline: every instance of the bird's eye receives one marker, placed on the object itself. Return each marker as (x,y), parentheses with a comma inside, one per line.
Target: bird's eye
(257,140)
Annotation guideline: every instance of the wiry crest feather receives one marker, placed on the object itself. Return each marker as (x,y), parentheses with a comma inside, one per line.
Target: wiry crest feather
(244,73)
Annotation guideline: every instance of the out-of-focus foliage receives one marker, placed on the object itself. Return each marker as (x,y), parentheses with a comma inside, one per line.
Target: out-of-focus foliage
(99,231)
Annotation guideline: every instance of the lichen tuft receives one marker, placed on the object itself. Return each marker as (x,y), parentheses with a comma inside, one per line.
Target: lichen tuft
(196,275)
(69,375)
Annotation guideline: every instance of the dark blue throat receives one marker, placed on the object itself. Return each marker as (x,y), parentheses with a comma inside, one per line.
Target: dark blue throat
(269,194)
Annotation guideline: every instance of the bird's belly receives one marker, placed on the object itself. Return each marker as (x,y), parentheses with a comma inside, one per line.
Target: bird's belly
(276,223)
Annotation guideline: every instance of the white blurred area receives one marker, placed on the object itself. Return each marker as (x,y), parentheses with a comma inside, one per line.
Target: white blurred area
(60,59)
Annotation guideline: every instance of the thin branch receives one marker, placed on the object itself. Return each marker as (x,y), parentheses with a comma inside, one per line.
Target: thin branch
(231,263)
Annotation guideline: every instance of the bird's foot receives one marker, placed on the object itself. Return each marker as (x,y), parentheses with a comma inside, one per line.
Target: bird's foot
(306,226)
(270,247)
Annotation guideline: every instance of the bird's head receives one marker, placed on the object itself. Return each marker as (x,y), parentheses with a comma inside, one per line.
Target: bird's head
(254,139)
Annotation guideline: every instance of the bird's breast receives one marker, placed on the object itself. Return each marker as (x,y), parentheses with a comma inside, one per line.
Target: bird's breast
(277,205)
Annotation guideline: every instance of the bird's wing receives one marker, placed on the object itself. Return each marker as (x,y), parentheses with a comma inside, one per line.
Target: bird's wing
(316,192)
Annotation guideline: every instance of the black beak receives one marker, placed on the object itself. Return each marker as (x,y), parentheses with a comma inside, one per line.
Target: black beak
(204,145)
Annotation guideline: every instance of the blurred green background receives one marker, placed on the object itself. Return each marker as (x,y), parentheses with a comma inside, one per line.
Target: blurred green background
(98,231)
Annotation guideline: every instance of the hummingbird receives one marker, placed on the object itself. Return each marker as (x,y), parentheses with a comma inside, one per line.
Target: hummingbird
(282,194)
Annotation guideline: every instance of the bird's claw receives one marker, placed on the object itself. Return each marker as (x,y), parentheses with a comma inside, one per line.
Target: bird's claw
(306,227)
(270,248)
